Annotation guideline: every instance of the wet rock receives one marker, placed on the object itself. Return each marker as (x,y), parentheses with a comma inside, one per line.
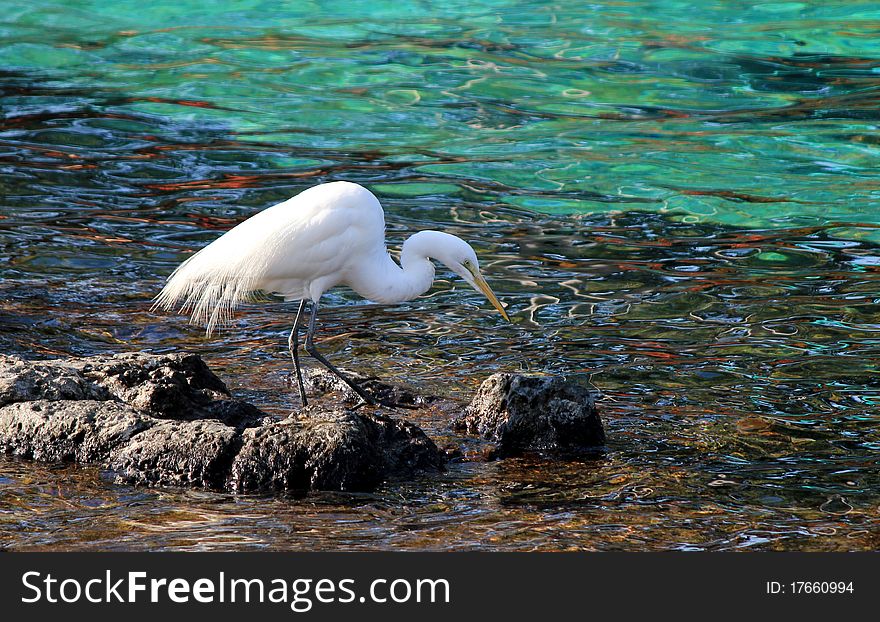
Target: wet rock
(236,413)
(533,413)
(341,450)
(23,381)
(68,430)
(168,420)
(320,381)
(169,386)
(177,386)
(178,453)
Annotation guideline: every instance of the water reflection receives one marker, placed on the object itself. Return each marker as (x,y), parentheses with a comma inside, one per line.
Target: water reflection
(721,292)
(738,372)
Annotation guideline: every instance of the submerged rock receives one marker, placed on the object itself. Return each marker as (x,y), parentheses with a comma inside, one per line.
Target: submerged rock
(533,413)
(168,420)
(321,381)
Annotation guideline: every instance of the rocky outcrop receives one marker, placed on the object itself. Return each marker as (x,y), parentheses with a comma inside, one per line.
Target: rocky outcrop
(68,430)
(533,413)
(168,420)
(336,450)
(178,386)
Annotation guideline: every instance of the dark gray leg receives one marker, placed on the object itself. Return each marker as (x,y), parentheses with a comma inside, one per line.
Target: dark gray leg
(293,345)
(310,348)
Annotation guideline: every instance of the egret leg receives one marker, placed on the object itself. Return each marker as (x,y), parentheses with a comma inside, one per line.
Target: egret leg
(310,348)
(293,345)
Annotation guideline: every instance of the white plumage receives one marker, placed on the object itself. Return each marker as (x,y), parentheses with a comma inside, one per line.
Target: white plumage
(297,249)
(331,234)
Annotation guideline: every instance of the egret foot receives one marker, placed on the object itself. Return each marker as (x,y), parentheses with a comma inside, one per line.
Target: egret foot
(373,391)
(372,401)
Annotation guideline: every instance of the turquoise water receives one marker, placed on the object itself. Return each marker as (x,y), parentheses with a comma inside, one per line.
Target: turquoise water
(748,114)
(680,204)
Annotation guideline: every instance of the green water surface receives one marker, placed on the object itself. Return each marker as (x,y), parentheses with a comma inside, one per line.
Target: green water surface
(678,201)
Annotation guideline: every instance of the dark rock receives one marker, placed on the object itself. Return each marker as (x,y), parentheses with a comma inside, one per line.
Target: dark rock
(168,420)
(533,413)
(340,450)
(176,386)
(178,453)
(237,413)
(170,386)
(25,381)
(68,430)
(321,381)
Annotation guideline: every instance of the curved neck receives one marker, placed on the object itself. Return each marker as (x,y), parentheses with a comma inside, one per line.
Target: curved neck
(380,279)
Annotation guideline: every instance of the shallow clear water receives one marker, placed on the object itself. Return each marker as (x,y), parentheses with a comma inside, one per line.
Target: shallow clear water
(679,205)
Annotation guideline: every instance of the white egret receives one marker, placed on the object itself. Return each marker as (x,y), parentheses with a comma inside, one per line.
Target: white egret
(328,235)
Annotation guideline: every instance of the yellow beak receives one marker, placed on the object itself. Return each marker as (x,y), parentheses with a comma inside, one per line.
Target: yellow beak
(481,285)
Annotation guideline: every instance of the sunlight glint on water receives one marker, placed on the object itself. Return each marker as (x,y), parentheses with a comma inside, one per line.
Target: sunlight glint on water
(681,206)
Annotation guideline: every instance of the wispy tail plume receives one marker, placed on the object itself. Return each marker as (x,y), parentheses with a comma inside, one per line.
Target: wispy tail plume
(210,295)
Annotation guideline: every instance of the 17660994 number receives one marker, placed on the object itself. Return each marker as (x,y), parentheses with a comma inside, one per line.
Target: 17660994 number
(810,587)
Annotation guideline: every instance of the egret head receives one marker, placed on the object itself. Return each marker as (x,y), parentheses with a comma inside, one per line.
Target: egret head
(459,257)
